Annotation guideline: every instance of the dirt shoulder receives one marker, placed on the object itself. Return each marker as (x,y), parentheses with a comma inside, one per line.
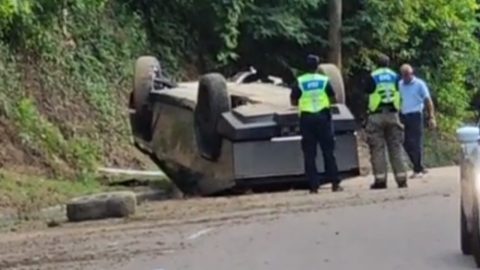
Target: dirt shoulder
(161,227)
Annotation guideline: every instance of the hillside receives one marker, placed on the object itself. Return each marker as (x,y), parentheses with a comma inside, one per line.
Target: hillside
(66,66)
(66,72)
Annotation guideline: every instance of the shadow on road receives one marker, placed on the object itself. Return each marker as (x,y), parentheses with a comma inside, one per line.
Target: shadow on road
(458,261)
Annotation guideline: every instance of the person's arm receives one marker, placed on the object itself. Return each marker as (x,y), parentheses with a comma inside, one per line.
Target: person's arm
(430,108)
(432,122)
(425,93)
(331,93)
(295,95)
(370,86)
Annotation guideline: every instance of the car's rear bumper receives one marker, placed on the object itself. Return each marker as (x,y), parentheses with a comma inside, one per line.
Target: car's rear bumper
(254,123)
(283,156)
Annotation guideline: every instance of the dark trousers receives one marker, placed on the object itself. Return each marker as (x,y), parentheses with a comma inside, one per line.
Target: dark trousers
(413,142)
(317,129)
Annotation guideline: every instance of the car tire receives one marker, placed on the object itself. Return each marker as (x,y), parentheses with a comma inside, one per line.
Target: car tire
(465,236)
(212,100)
(142,84)
(336,80)
(101,206)
(475,237)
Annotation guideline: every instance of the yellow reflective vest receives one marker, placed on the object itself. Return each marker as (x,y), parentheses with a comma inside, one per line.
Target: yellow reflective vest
(386,89)
(314,96)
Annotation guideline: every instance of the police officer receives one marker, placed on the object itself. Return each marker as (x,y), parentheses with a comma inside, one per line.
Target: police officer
(384,128)
(313,95)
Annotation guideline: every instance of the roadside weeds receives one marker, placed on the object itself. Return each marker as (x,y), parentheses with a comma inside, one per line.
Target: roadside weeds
(33,202)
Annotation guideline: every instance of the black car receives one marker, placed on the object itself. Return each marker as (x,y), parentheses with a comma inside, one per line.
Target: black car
(469,137)
(214,134)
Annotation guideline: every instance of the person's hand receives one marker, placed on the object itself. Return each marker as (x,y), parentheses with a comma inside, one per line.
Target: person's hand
(432,123)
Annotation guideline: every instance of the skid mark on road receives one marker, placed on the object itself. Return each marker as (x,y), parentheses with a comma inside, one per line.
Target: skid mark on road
(199,233)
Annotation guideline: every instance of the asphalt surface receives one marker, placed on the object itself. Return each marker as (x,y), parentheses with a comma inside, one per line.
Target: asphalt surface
(417,233)
(414,228)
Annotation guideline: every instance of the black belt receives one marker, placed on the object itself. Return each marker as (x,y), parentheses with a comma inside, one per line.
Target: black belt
(410,113)
(324,111)
(385,109)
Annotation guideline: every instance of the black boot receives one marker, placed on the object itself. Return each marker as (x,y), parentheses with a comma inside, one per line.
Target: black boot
(378,185)
(336,187)
(403,184)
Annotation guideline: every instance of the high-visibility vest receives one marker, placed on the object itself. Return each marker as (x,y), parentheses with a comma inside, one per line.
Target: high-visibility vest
(386,90)
(314,96)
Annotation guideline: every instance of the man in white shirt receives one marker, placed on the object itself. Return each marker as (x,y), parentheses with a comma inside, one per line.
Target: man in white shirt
(415,94)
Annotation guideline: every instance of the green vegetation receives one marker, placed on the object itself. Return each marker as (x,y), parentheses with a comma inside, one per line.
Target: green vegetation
(66,65)
(438,37)
(27,195)
(65,69)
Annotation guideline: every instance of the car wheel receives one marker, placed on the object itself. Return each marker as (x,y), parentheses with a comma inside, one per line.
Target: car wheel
(465,236)
(212,101)
(142,85)
(336,80)
(475,237)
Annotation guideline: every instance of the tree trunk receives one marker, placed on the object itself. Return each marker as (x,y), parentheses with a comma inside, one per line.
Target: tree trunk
(335,32)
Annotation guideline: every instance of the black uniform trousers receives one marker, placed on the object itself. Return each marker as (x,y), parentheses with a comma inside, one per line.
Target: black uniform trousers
(317,129)
(413,142)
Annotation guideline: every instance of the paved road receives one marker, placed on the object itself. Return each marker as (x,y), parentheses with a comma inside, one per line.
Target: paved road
(357,229)
(420,233)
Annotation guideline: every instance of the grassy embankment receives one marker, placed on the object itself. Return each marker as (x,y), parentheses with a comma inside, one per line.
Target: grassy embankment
(65,75)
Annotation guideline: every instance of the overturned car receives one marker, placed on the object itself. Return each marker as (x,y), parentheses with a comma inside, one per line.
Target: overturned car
(216,135)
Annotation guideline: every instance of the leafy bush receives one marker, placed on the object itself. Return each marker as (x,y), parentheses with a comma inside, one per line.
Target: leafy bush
(66,65)
(437,37)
